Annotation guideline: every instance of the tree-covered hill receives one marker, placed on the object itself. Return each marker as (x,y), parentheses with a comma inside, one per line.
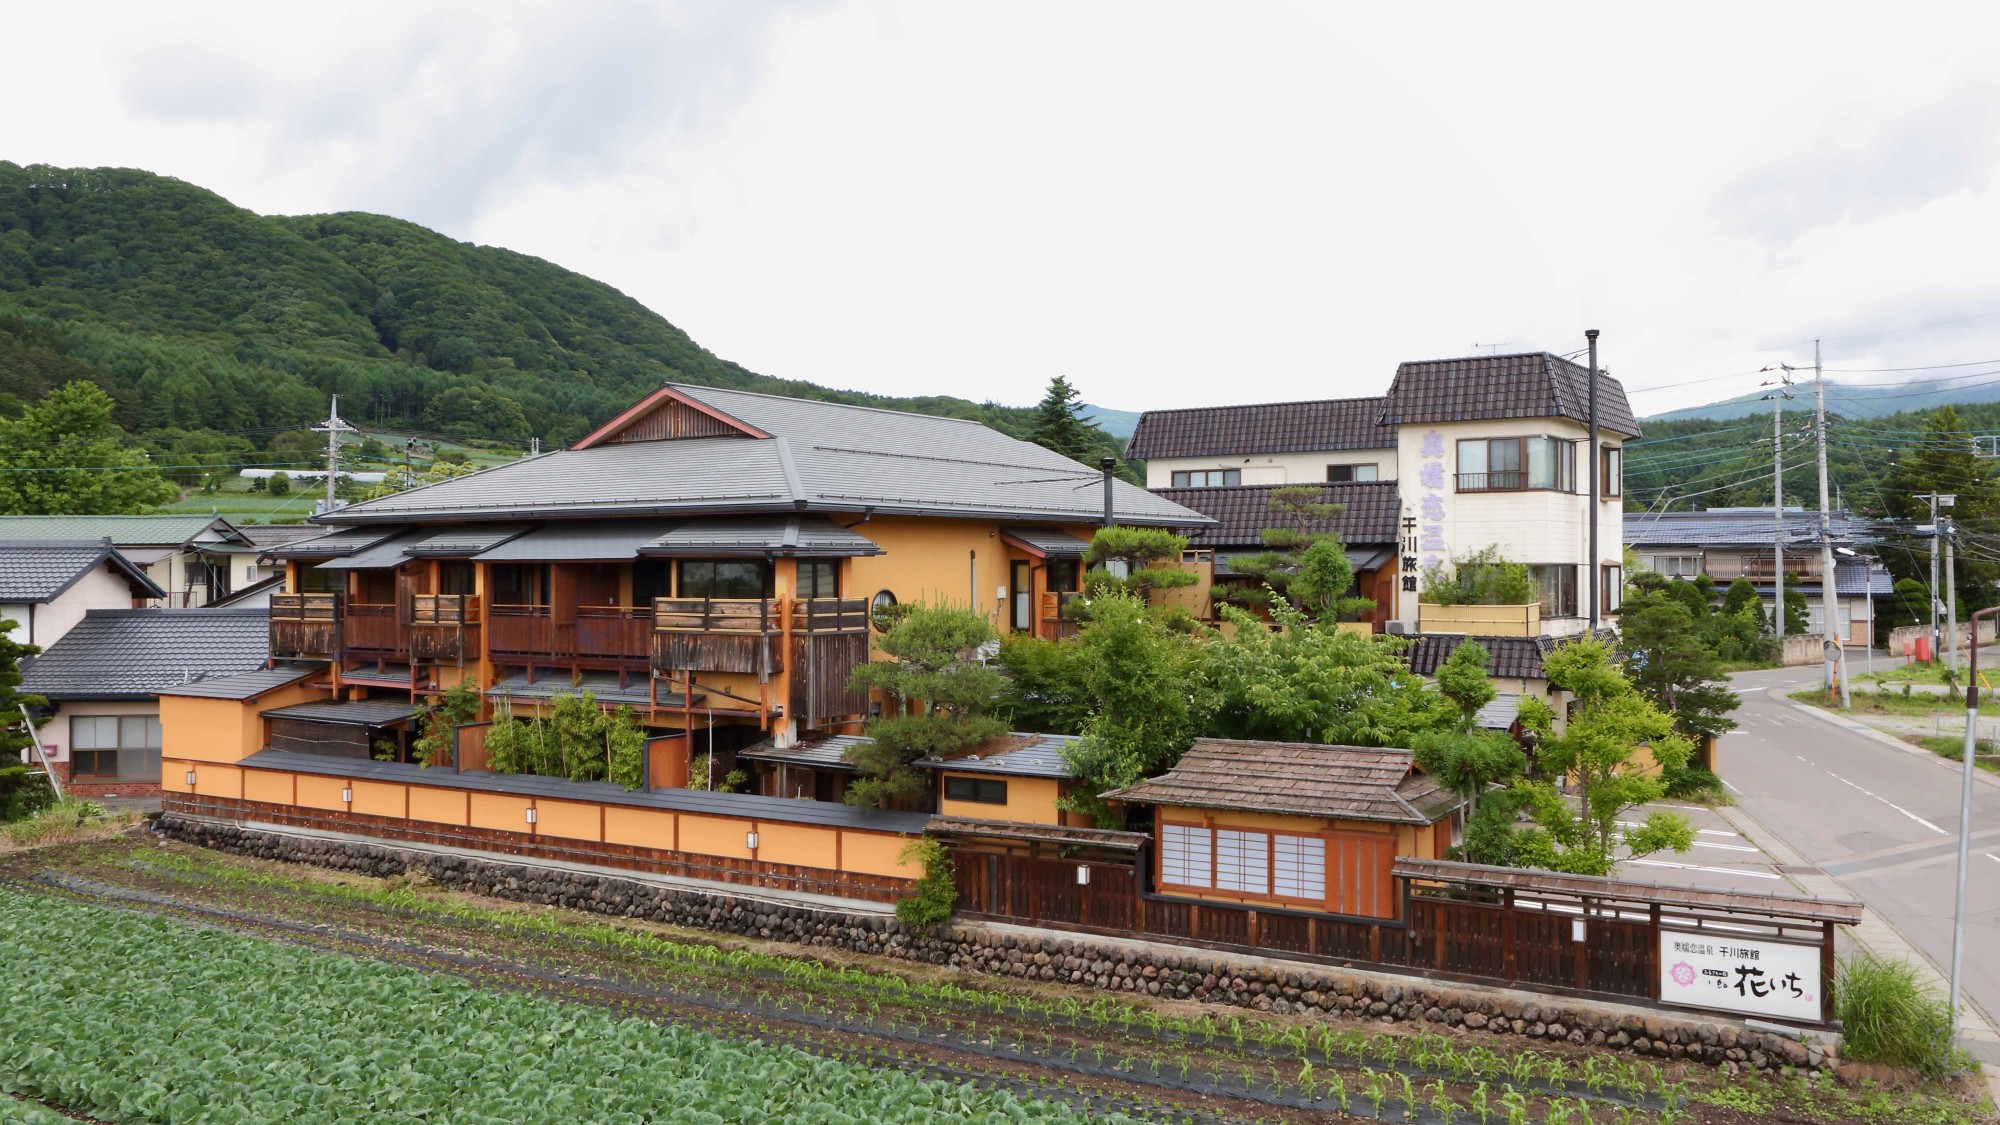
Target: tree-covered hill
(201,318)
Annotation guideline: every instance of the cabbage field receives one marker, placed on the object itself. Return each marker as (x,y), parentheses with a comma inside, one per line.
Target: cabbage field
(133,1018)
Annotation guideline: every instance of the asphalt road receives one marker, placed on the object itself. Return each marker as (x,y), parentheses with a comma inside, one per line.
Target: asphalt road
(1881,821)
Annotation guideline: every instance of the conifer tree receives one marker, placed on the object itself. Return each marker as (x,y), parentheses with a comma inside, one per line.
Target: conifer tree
(1058,422)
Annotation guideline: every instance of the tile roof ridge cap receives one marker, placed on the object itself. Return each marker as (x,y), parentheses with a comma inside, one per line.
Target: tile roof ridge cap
(1258,405)
(825,402)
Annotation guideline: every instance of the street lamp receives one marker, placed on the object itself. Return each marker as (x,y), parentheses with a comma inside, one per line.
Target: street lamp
(1965,809)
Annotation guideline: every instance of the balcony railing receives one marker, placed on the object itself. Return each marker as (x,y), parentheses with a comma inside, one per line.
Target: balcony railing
(616,634)
(444,627)
(736,634)
(1053,625)
(1506,480)
(305,626)
(371,630)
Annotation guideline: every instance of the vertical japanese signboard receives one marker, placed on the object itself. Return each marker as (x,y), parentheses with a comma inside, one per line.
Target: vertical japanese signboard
(1772,979)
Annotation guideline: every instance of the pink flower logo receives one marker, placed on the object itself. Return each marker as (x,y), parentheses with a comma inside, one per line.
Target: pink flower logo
(1683,973)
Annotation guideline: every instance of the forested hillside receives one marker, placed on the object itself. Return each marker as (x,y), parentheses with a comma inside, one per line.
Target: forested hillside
(217,330)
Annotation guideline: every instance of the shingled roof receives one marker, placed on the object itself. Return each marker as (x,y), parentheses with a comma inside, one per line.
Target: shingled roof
(1298,778)
(134,653)
(781,455)
(1529,385)
(1738,527)
(36,572)
(1242,512)
(1267,427)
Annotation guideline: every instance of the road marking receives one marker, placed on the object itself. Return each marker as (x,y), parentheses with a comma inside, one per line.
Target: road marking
(1723,847)
(1884,800)
(1699,867)
(1698,831)
(1994,858)
(1726,785)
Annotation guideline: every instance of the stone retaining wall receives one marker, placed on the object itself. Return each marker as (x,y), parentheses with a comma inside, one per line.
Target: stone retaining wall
(1195,974)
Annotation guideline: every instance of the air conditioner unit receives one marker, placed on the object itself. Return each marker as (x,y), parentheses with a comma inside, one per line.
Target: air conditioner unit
(1397,628)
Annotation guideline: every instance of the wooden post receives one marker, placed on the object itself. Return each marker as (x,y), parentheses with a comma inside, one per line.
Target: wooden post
(1825,972)
(1510,936)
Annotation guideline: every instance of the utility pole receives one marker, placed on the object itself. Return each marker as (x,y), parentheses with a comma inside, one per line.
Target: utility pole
(1947,531)
(1594,515)
(1778,508)
(1933,497)
(1829,591)
(332,428)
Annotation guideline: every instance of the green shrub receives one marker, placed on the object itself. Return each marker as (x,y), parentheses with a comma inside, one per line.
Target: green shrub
(58,821)
(1480,578)
(1691,782)
(24,791)
(936,894)
(1890,1015)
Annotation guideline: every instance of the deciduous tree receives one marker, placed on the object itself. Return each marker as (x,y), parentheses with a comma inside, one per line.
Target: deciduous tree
(64,456)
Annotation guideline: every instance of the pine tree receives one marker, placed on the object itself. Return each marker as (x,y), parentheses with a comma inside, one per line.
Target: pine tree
(1058,423)
(941,699)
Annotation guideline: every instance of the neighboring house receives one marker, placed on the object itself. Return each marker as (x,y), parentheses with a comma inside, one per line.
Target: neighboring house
(102,679)
(194,559)
(1513,665)
(1366,523)
(1017,777)
(1484,451)
(46,586)
(1321,441)
(718,560)
(1293,824)
(1725,544)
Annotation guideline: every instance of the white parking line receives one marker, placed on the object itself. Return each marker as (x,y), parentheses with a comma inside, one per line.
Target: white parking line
(1723,847)
(1994,858)
(1698,831)
(1699,867)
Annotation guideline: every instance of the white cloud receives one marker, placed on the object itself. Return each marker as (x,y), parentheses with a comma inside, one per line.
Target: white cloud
(1171,203)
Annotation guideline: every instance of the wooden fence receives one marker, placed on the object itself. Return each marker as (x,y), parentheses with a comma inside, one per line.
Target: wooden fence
(1567,934)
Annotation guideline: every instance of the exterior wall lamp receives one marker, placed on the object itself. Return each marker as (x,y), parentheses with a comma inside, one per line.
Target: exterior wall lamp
(531,814)
(1082,875)
(346,795)
(190,779)
(750,839)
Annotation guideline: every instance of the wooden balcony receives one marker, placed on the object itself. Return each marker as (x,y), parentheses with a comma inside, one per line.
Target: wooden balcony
(305,626)
(597,635)
(742,634)
(372,631)
(444,627)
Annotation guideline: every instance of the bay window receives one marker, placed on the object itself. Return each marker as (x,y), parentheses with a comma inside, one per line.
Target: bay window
(1557,585)
(1513,464)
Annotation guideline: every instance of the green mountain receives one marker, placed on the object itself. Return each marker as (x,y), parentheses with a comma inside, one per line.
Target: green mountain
(216,328)
(1863,401)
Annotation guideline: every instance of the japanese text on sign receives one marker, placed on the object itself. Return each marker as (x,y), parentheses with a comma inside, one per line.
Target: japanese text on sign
(1777,980)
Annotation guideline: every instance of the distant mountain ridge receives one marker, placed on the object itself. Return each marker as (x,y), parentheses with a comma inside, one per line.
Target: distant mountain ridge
(1854,399)
(199,316)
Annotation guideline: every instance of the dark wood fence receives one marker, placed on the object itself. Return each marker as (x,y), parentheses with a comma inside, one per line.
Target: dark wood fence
(1566,934)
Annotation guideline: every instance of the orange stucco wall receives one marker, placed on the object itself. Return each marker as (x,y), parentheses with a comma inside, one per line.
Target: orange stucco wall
(375,798)
(711,836)
(1030,800)
(439,806)
(933,560)
(639,828)
(796,844)
(193,729)
(572,819)
(504,811)
(321,792)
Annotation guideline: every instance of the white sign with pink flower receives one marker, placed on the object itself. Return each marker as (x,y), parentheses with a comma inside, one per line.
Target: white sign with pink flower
(1773,979)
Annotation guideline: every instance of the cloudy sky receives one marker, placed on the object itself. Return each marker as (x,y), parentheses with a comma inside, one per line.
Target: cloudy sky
(1171,203)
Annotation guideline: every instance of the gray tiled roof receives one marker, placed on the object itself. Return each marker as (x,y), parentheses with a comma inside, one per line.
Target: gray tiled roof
(1015,755)
(38,571)
(797,535)
(1349,782)
(828,753)
(1511,657)
(462,540)
(336,543)
(246,685)
(1852,578)
(1242,512)
(134,653)
(603,687)
(822,457)
(1052,542)
(1530,385)
(276,534)
(351,712)
(1738,527)
(784,810)
(169,530)
(1268,427)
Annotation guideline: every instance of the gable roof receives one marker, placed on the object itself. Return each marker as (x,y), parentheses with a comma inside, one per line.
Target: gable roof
(821,456)
(274,534)
(124,531)
(1268,427)
(1298,778)
(37,572)
(1738,527)
(1528,385)
(134,653)
(1242,512)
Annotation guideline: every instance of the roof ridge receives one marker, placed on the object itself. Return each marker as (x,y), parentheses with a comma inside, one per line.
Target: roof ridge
(1214,488)
(1259,405)
(822,402)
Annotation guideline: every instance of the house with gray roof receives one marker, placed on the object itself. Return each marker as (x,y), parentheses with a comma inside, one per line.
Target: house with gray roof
(717,560)
(103,677)
(1461,454)
(48,585)
(194,559)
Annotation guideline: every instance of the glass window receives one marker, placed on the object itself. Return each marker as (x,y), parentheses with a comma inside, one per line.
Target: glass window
(1490,465)
(651,578)
(1207,478)
(725,578)
(1612,471)
(1242,861)
(1613,589)
(819,578)
(1551,463)
(1298,868)
(1186,855)
(1063,575)
(1557,583)
(984,790)
(882,610)
(1472,456)
(118,747)
(1338,473)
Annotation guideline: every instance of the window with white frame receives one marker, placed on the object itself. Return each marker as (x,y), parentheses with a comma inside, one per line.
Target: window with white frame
(1677,566)
(114,747)
(1186,855)
(1208,478)
(1338,473)
(1242,861)
(1298,867)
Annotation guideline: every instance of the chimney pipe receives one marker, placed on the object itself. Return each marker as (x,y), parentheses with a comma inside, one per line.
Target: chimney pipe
(1107,464)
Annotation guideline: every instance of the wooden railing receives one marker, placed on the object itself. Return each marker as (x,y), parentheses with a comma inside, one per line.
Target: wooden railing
(598,633)
(612,632)
(372,630)
(305,626)
(743,634)
(444,627)
(520,631)
(1053,625)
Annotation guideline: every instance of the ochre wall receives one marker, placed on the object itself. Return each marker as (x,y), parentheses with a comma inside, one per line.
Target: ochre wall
(931,560)
(194,729)
(1030,800)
